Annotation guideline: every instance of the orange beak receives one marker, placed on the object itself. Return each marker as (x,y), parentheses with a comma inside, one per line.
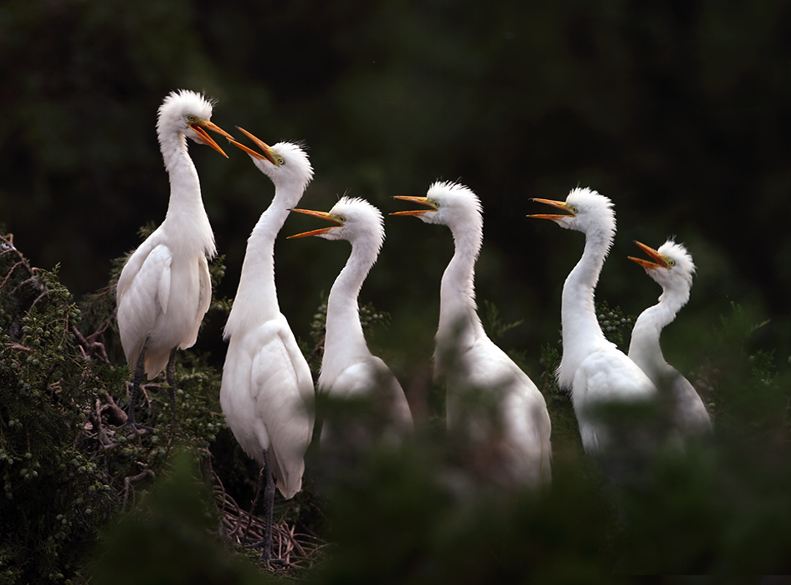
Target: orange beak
(659,260)
(200,128)
(559,204)
(432,205)
(266,151)
(334,219)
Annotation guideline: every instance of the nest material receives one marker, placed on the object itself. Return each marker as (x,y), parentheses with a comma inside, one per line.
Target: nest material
(291,550)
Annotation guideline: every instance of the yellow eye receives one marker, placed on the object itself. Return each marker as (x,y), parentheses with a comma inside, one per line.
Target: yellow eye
(280,160)
(671,262)
(192,119)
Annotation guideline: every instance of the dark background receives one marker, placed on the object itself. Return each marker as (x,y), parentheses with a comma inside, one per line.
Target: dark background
(677,110)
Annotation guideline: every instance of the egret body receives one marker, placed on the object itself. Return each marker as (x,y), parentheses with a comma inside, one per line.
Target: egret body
(267,388)
(348,369)
(592,368)
(671,266)
(517,437)
(164,289)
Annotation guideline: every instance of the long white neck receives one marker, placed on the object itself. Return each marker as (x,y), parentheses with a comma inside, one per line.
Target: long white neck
(185,212)
(345,340)
(644,347)
(256,298)
(580,328)
(186,215)
(459,324)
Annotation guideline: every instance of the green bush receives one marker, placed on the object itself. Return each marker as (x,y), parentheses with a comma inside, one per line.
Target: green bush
(412,513)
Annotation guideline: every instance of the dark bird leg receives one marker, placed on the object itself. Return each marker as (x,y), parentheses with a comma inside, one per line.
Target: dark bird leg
(170,377)
(269,502)
(136,380)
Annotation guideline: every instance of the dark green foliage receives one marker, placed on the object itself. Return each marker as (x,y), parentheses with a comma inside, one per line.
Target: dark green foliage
(65,468)
(171,538)
(719,509)
(409,518)
(493,322)
(744,387)
(415,513)
(616,326)
(673,109)
(720,506)
(56,491)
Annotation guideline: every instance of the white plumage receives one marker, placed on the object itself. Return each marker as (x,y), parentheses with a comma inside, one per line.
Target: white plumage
(267,389)
(592,368)
(672,267)
(164,289)
(348,368)
(516,438)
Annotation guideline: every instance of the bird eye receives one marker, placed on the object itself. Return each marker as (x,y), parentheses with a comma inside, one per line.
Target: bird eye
(671,262)
(574,209)
(191,118)
(280,161)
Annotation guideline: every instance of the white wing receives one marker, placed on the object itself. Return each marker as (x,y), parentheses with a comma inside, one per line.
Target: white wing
(689,413)
(282,391)
(143,293)
(371,378)
(606,375)
(527,430)
(398,406)
(204,283)
(524,445)
(203,304)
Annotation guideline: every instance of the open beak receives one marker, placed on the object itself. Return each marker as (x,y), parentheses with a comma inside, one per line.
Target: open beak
(659,261)
(334,219)
(431,204)
(266,151)
(200,127)
(554,216)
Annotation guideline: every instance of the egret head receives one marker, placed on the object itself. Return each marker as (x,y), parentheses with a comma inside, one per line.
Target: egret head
(671,265)
(353,219)
(448,203)
(586,210)
(285,163)
(188,113)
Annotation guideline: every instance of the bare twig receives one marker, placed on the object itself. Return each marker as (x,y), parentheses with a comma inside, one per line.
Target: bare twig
(18,347)
(242,529)
(129,480)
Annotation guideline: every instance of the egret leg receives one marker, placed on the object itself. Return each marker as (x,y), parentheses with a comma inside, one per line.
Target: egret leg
(253,505)
(170,377)
(136,381)
(269,502)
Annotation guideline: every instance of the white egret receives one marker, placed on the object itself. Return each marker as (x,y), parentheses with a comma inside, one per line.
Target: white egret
(671,266)
(164,289)
(267,388)
(348,369)
(517,437)
(592,368)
